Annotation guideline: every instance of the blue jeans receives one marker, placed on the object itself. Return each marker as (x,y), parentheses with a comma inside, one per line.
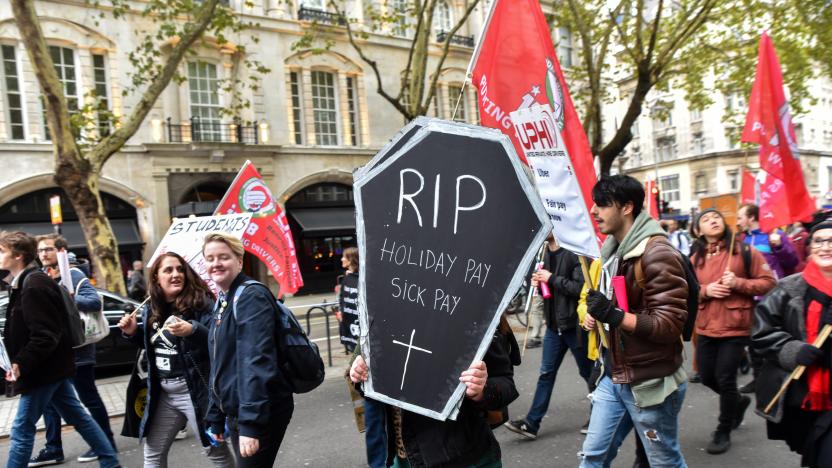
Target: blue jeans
(614,414)
(63,397)
(375,434)
(555,345)
(84,383)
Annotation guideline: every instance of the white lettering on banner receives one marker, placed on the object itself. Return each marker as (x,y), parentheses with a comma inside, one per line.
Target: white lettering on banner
(556,181)
(491,108)
(409,196)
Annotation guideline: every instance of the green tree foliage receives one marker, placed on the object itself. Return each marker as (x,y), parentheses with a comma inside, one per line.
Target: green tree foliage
(699,46)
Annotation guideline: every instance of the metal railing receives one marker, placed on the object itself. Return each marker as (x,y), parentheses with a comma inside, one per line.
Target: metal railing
(200,131)
(320,16)
(327,308)
(456,39)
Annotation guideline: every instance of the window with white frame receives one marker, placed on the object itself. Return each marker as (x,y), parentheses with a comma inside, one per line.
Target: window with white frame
(99,77)
(398,8)
(324,108)
(64,60)
(203,85)
(733,180)
(297,110)
(670,187)
(735,102)
(696,115)
(665,149)
(14,95)
(352,109)
(664,122)
(314,4)
(443,18)
(458,102)
(701,183)
(697,143)
(566,47)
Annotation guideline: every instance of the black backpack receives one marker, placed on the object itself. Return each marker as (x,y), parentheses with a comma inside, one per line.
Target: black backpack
(76,331)
(298,358)
(693,292)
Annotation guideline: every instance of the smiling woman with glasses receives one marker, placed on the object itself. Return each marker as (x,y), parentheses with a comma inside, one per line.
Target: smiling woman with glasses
(787,321)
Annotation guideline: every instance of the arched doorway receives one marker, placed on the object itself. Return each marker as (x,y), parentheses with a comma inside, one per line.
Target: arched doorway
(322,219)
(30,213)
(201,200)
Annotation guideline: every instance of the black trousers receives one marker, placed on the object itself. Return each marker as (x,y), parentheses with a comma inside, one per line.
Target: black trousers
(270,444)
(718,360)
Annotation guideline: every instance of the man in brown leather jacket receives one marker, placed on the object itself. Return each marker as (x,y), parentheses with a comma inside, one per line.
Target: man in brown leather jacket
(643,384)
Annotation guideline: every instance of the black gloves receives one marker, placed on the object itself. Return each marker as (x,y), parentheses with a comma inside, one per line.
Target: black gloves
(808,355)
(603,309)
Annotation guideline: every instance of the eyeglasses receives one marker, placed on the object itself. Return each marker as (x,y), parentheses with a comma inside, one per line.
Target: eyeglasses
(47,249)
(822,242)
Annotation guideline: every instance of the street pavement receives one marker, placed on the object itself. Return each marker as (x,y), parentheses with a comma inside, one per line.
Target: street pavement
(323,433)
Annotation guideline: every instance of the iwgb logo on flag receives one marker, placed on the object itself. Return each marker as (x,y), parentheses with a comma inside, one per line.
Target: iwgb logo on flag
(268,236)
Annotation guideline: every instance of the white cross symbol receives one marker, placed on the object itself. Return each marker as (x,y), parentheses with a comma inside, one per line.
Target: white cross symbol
(409,347)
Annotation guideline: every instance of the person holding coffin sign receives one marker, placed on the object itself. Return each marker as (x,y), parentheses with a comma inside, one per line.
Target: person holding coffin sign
(253,399)
(643,383)
(174,333)
(416,441)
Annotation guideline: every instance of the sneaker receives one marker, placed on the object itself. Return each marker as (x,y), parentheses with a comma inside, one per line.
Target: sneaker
(523,428)
(741,407)
(533,343)
(47,457)
(750,387)
(695,378)
(585,427)
(720,444)
(182,434)
(88,456)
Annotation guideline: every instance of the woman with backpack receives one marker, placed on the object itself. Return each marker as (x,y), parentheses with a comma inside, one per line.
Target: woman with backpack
(174,333)
(254,399)
(723,322)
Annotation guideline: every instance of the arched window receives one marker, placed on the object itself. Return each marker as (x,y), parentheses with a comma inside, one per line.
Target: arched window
(443,19)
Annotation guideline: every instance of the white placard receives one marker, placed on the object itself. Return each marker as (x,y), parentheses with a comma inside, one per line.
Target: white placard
(185,237)
(63,269)
(555,178)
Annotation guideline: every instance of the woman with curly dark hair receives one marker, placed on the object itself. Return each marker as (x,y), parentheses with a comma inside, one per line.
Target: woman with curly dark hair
(174,333)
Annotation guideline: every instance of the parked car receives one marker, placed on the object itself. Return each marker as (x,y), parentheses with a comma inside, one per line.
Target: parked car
(113,351)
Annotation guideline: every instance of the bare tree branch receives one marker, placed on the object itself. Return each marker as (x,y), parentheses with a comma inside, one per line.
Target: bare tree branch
(112,143)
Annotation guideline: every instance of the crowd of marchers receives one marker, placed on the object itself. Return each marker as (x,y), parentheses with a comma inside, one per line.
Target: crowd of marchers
(748,300)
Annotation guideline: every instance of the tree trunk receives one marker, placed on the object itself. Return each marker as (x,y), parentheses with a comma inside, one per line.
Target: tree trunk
(82,188)
(624,134)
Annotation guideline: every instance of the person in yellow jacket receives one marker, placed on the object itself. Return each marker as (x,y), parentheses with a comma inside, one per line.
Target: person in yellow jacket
(593,351)
(587,322)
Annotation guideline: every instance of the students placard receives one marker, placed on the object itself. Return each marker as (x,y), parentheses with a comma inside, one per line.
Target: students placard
(556,180)
(185,237)
(446,225)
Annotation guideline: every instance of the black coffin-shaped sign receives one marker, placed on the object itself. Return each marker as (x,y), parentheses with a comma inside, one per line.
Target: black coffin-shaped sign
(447,223)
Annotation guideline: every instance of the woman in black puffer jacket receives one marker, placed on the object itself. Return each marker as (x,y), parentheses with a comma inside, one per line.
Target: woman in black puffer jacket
(786,322)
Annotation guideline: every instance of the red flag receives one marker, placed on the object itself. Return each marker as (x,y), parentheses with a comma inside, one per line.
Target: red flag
(749,188)
(514,67)
(268,236)
(769,123)
(651,190)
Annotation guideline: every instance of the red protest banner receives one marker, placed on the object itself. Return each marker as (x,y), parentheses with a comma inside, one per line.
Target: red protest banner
(749,189)
(651,190)
(268,236)
(769,123)
(515,67)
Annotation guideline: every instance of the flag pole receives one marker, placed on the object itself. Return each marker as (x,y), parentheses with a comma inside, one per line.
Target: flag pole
(459,99)
(477,49)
